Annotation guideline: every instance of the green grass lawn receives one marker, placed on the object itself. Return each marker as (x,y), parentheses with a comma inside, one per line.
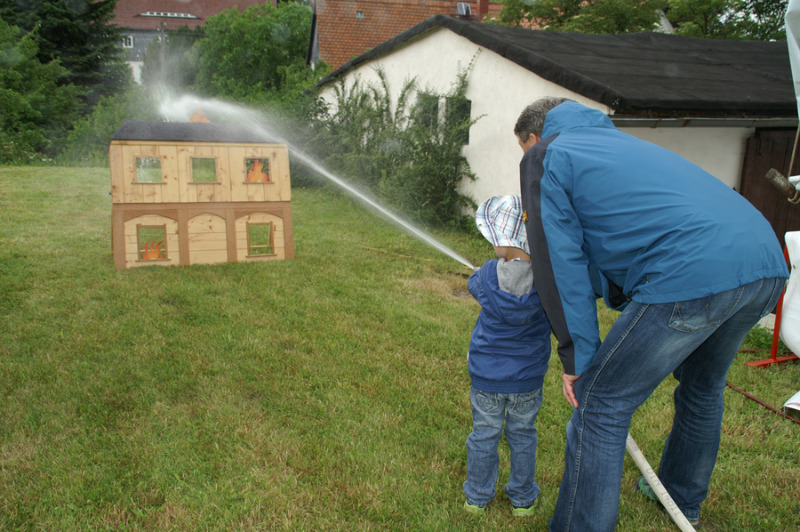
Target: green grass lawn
(327,392)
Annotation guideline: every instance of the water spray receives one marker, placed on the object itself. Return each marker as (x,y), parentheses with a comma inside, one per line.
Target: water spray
(182,108)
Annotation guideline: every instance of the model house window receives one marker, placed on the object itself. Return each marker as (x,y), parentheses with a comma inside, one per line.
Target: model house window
(260,239)
(127,41)
(151,242)
(204,170)
(457,112)
(257,171)
(148,170)
(359,14)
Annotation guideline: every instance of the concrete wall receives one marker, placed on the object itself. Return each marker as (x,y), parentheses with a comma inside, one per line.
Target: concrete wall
(500,89)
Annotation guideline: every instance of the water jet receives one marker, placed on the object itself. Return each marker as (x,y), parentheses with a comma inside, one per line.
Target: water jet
(183,107)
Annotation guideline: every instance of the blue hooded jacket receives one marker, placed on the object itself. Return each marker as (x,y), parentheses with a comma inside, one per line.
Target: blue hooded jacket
(609,214)
(510,346)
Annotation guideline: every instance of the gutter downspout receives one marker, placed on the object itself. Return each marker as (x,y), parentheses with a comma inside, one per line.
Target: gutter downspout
(776,122)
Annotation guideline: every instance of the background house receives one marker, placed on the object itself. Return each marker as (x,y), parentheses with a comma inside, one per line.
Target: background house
(728,106)
(344,29)
(143,21)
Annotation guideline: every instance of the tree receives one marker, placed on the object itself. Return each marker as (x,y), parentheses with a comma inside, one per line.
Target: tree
(249,55)
(583,16)
(87,142)
(729,19)
(765,20)
(36,107)
(78,33)
(718,19)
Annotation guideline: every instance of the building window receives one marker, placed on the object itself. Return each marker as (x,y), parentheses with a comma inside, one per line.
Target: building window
(359,14)
(166,14)
(257,171)
(151,242)
(204,170)
(127,41)
(457,115)
(260,239)
(148,170)
(427,111)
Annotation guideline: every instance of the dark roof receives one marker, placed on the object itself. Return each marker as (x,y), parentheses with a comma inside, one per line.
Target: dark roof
(645,74)
(189,132)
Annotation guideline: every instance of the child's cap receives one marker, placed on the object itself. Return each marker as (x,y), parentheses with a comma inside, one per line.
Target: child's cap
(499,219)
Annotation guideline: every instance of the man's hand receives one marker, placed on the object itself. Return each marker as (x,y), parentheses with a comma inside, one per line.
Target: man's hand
(568,388)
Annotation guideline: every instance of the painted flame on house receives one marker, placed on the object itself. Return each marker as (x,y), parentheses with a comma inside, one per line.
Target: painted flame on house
(199,116)
(256,173)
(153,251)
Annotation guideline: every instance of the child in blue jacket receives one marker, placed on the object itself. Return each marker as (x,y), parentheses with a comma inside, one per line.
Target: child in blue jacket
(508,356)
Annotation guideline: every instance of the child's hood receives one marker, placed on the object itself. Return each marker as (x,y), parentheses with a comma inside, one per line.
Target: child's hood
(509,308)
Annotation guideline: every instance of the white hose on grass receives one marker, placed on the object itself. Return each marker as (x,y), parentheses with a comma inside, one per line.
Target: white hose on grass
(661,492)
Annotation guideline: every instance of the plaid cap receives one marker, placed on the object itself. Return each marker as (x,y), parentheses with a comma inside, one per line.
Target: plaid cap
(499,219)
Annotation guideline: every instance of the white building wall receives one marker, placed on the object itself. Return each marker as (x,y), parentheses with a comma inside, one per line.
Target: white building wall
(717,150)
(500,89)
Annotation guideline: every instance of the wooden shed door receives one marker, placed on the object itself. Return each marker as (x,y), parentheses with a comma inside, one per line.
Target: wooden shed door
(771,148)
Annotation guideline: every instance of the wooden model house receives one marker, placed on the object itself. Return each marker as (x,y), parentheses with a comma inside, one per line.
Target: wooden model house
(198,193)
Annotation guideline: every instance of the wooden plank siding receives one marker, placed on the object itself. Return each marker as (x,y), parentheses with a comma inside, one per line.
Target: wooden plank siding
(205,222)
(216,232)
(771,148)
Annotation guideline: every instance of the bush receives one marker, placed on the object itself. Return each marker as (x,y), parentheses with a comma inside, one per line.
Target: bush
(36,108)
(408,154)
(87,143)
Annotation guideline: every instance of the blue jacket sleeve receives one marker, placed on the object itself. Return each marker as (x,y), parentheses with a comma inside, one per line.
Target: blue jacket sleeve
(561,269)
(576,292)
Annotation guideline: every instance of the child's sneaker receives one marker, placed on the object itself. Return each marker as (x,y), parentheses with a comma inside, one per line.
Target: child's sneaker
(471,508)
(643,487)
(524,512)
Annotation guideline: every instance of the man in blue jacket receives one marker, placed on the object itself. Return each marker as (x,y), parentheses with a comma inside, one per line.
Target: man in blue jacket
(691,264)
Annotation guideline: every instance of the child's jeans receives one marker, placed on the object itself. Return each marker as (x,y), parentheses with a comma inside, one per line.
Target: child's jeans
(489,411)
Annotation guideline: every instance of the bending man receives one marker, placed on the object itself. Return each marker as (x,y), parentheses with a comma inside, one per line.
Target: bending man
(691,264)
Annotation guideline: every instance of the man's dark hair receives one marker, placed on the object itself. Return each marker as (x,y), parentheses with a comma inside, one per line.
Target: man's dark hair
(531,120)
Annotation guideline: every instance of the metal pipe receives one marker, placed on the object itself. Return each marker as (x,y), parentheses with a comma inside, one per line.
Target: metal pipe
(781,183)
(661,492)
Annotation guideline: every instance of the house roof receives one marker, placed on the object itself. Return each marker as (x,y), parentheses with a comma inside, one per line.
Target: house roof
(640,74)
(149,14)
(189,132)
(348,28)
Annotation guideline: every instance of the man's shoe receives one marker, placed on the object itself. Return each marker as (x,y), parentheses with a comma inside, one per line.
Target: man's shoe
(643,487)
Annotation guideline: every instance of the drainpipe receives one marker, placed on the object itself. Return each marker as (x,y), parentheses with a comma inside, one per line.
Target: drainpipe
(665,26)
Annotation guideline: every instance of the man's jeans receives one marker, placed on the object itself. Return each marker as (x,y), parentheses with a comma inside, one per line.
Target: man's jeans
(697,341)
(489,410)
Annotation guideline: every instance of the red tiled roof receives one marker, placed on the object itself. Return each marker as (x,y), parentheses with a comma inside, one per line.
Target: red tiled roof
(129,13)
(348,28)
